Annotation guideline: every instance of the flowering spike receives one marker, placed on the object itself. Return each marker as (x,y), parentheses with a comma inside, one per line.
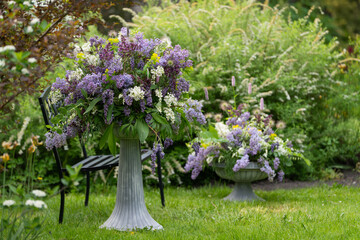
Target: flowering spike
(233,81)
(206,93)
(262,104)
(249,88)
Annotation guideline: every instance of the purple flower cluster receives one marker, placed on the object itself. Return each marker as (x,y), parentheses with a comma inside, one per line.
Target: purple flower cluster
(157,148)
(268,170)
(241,163)
(168,142)
(195,162)
(54,139)
(192,110)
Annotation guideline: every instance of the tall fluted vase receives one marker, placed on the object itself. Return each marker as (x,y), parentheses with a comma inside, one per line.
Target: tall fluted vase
(130,211)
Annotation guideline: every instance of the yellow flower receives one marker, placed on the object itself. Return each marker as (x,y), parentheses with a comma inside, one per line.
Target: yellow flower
(5,157)
(40,178)
(132,233)
(235,126)
(107,70)
(32,148)
(272,136)
(113,40)
(7,145)
(204,145)
(80,55)
(155,58)
(35,141)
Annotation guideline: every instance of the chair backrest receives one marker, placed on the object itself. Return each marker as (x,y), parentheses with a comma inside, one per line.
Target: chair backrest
(49,108)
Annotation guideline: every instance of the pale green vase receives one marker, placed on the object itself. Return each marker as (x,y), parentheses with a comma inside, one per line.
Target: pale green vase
(130,212)
(243,178)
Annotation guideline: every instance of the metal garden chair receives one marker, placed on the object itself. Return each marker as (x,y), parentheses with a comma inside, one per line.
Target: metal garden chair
(49,110)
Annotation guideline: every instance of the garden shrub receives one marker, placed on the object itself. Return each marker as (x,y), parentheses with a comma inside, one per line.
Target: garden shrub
(288,63)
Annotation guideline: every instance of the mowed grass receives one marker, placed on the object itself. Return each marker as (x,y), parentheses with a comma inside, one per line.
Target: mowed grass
(312,213)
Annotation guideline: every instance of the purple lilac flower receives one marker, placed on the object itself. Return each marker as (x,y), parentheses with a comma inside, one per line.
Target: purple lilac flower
(233,81)
(128,100)
(274,146)
(108,99)
(127,111)
(241,163)
(196,147)
(281,175)
(276,163)
(289,144)
(195,163)
(62,85)
(156,148)
(91,83)
(168,142)
(148,98)
(96,41)
(114,65)
(106,54)
(255,139)
(234,137)
(73,128)
(124,31)
(148,118)
(268,170)
(192,110)
(181,86)
(268,131)
(54,139)
(142,105)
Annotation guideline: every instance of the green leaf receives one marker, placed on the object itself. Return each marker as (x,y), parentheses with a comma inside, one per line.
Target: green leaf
(84,93)
(142,129)
(112,142)
(109,113)
(92,105)
(159,118)
(105,136)
(62,110)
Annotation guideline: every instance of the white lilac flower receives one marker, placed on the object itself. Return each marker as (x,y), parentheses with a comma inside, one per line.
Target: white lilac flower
(136,93)
(39,193)
(34,21)
(8,203)
(281,150)
(86,47)
(170,99)
(7,48)
(2,63)
(32,60)
(77,49)
(222,129)
(29,29)
(158,93)
(76,75)
(170,115)
(93,60)
(40,204)
(158,72)
(25,71)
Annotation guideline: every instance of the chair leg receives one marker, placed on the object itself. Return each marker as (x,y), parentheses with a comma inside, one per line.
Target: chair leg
(87,188)
(161,186)
(62,203)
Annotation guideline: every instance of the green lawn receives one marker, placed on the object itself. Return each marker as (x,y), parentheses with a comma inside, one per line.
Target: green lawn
(312,213)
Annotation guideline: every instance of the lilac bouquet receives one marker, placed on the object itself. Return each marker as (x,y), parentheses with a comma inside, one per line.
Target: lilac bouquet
(128,84)
(239,141)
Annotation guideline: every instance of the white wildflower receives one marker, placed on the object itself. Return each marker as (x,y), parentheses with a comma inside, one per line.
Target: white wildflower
(281,150)
(170,99)
(170,115)
(22,130)
(25,71)
(32,60)
(40,204)
(7,48)
(11,3)
(8,203)
(77,49)
(76,75)
(34,21)
(158,93)
(29,29)
(27,3)
(136,93)
(30,202)
(2,63)
(86,47)
(1,17)
(222,129)
(39,193)
(209,160)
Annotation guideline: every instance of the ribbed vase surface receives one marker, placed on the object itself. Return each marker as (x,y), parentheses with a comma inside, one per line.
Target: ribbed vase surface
(130,212)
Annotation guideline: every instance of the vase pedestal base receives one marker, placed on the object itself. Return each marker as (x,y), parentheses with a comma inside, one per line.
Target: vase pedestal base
(130,211)
(243,192)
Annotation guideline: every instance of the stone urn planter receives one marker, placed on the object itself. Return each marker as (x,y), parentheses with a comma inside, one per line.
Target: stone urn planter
(243,178)
(130,211)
